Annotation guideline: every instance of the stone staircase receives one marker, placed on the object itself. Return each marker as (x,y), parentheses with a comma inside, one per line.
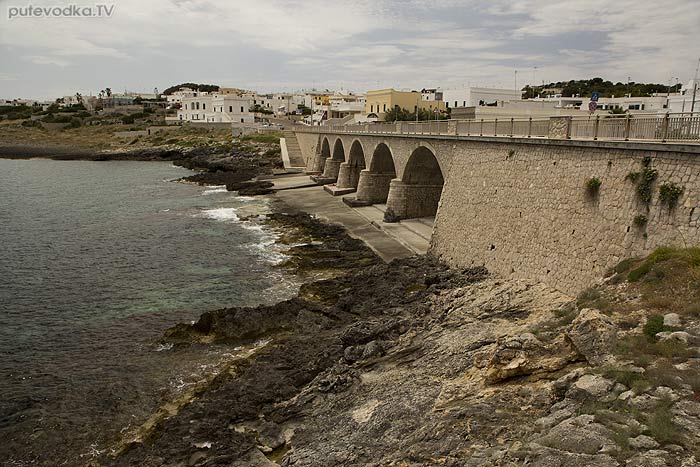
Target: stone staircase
(293,149)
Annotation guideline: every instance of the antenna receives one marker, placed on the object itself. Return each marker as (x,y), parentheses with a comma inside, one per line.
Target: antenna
(695,88)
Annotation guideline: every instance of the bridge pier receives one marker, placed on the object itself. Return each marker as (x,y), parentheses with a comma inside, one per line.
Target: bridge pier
(409,201)
(373,187)
(348,175)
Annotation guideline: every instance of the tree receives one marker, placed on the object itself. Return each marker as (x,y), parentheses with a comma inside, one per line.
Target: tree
(400,114)
(195,86)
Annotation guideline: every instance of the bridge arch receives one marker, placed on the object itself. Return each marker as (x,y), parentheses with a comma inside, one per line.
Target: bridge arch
(373,183)
(349,173)
(332,164)
(322,155)
(417,193)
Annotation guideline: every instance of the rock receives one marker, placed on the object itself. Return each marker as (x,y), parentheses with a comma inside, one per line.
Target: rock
(626,395)
(644,442)
(594,335)
(542,456)
(562,384)
(373,349)
(554,418)
(678,336)
(590,387)
(664,392)
(520,356)
(648,459)
(353,353)
(579,435)
(672,320)
(644,402)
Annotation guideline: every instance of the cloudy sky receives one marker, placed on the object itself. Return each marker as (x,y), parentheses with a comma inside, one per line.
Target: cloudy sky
(352,44)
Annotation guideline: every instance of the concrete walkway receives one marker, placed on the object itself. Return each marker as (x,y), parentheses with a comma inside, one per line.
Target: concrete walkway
(389,241)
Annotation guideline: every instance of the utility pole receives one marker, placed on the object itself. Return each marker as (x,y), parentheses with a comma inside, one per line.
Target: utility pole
(695,88)
(516,82)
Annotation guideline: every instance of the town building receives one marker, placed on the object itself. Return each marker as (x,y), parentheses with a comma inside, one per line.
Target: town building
(476,96)
(215,108)
(379,102)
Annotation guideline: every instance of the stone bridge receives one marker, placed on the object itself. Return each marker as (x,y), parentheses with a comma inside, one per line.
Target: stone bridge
(520,206)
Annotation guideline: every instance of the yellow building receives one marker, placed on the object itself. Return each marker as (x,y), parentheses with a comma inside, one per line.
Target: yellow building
(381,101)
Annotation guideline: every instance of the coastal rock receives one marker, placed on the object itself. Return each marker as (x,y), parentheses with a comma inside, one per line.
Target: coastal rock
(580,435)
(643,442)
(594,335)
(672,320)
(590,387)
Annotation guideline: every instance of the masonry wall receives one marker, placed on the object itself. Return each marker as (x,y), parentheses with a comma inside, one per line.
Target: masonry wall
(308,143)
(529,215)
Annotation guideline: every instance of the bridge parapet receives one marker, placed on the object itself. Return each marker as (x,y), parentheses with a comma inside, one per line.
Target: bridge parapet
(657,128)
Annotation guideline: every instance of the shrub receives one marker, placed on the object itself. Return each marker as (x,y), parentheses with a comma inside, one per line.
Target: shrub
(669,193)
(128,119)
(640,221)
(653,325)
(660,423)
(593,186)
(74,123)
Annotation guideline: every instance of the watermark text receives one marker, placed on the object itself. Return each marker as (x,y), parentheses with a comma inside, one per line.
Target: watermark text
(98,10)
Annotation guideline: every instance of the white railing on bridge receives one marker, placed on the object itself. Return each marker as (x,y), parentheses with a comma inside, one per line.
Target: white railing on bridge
(668,127)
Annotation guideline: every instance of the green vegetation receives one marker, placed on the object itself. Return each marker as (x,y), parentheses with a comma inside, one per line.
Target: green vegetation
(194,86)
(585,87)
(669,193)
(640,221)
(660,423)
(259,109)
(128,119)
(653,326)
(644,181)
(593,186)
(593,298)
(403,115)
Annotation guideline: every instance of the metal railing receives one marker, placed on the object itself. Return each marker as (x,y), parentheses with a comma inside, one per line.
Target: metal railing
(658,128)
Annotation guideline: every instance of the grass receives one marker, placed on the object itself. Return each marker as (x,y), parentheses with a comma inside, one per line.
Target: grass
(660,423)
(653,326)
(668,279)
(593,298)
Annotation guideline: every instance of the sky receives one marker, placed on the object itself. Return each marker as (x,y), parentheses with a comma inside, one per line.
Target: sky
(271,45)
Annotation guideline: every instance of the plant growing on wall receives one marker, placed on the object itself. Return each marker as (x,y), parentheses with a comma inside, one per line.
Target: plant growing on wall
(669,193)
(640,221)
(644,181)
(593,186)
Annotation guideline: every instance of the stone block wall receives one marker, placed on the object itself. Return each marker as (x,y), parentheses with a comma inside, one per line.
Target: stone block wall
(523,210)
(411,201)
(308,143)
(373,187)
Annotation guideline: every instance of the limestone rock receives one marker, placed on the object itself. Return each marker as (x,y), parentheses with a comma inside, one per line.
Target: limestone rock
(594,335)
(542,456)
(679,336)
(648,459)
(580,435)
(644,442)
(590,387)
(519,356)
(672,320)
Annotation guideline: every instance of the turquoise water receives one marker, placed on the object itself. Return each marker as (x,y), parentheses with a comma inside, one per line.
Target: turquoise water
(97,260)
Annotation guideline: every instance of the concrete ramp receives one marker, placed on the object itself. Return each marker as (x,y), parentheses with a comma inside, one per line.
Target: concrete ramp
(291,152)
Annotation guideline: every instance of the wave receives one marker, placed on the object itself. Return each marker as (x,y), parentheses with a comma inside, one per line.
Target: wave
(215,189)
(221,214)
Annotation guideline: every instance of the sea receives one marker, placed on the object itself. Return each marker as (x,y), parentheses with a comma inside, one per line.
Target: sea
(97,260)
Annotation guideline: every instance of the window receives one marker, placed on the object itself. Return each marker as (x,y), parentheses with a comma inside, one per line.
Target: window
(197,105)
(241,109)
(384,107)
(204,106)
(371,108)
(230,108)
(241,120)
(455,103)
(464,103)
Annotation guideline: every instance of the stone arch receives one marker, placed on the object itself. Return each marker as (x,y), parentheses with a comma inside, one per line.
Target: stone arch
(349,173)
(338,150)
(373,184)
(417,193)
(322,155)
(332,165)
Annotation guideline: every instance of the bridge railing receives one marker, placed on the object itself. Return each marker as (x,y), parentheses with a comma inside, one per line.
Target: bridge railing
(659,128)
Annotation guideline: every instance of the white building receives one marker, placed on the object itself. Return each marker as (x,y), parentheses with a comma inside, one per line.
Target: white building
(472,96)
(683,101)
(215,108)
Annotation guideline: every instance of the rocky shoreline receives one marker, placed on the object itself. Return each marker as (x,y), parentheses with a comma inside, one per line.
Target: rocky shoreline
(415,364)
